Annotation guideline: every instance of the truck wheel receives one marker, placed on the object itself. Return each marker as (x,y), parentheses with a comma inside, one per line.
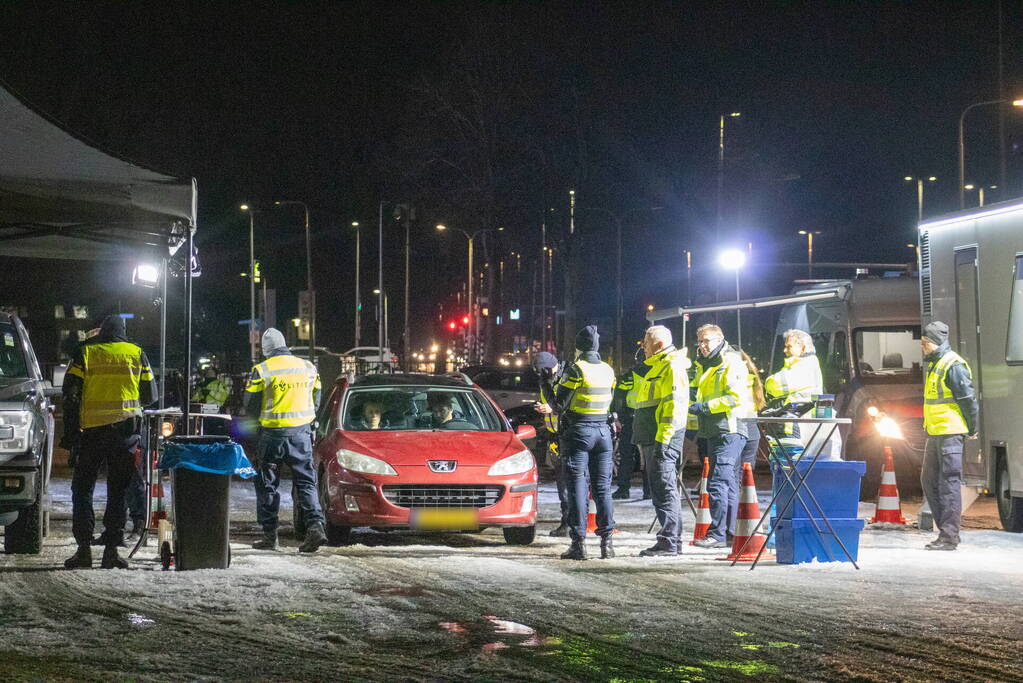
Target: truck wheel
(519,535)
(25,535)
(1010,509)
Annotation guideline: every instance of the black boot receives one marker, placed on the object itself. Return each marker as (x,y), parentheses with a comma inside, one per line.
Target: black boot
(607,549)
(315,536)
(560,531)
(576,551)
(82,559)
(111,560)
(268,542)
(622,493)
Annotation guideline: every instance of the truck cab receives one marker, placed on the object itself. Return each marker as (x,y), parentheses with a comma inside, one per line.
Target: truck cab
(26,440)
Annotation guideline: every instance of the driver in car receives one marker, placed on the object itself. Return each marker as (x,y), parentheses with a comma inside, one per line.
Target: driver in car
(442,408)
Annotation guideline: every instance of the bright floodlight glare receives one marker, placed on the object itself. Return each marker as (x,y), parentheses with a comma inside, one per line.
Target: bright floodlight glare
(888,428)
(1017,103)
(732,259)
(872,411)
(146,275)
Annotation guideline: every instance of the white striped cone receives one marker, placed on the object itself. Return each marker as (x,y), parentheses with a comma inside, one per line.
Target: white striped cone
(703,519)
(157,509)
(889,507)
(591,516)
(746,544)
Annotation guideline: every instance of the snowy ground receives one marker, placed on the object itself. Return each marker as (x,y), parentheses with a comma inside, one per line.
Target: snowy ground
(401,606)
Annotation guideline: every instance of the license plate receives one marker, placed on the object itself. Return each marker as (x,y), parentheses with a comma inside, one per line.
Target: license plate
(445,519)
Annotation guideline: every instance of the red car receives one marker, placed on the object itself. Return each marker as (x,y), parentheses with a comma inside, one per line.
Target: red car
(425,452)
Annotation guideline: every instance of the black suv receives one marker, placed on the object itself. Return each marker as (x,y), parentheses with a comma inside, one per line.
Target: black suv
(26,441)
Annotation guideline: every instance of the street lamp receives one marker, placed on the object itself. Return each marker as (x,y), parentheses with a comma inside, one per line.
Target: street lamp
(721,157)
(919,193)
(308,277)
(472,312)
(734,259)
(809,250)
(980,191)
(358,295)
(252,283)
(962,143)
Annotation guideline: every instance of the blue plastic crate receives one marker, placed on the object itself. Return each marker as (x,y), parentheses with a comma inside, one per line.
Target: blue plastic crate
(834,483)
(798,542)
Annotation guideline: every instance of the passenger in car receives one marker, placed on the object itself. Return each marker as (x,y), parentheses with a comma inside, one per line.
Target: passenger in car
(371,416)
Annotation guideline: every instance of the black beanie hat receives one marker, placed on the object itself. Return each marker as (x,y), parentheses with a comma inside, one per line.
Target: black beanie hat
(937,332)
(588,339)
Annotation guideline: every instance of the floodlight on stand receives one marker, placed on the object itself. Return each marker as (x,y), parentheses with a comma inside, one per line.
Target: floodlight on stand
(145,275)
(732,259)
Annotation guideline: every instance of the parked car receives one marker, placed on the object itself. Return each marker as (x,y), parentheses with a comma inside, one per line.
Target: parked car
(509,387)
(366,359)
(26,440)
(440,456)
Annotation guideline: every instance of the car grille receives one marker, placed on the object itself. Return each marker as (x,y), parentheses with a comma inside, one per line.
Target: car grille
(451,496)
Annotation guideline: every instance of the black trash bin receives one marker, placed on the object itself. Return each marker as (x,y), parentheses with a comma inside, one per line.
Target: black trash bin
(201,513)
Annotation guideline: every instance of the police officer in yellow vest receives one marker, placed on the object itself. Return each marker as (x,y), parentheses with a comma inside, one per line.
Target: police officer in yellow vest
(722,397)
(107,384)
(213,390)
(798,381)
(286,391)
(659,428)
(546,366)
(624,405)
(950,415)
(582,400)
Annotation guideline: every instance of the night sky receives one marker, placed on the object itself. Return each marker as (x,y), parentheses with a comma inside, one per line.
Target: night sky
(342,105)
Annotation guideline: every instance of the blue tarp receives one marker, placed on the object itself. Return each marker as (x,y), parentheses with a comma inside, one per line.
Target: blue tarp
(215,458)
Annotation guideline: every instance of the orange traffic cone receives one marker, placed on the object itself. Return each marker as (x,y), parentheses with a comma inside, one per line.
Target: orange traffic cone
(591,516)
(703,512)
(746,544)
(889,508)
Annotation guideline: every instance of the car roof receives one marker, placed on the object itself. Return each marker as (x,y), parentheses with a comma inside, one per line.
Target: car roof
(411,378)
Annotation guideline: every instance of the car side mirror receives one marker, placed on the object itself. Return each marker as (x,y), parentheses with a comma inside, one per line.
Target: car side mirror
(525,432)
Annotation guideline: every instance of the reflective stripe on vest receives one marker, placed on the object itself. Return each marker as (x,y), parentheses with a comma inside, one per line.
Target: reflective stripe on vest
(111,376)
(287,385)
(593,396)
(550,420)
(942,414)
(712,384)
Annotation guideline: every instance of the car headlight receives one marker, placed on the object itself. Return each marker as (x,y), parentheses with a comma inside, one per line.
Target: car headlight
(15,429)
(357,462)
(514,464)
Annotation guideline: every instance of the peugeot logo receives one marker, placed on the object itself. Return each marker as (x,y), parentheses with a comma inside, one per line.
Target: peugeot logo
(442,465)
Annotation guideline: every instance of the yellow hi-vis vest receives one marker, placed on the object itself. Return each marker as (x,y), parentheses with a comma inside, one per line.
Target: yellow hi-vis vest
(287,383)
(725,389)
(111,373)
(550,420)
(665,387)
(593,391)
(798,381)
(941,412)
(215,392)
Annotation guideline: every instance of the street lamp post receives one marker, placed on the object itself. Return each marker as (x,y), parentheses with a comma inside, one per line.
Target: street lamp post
(809,250)
(980,191)
(308,277)
(734,259)
(472,312)
(358,295)
(962,143)
(919,193)
(721,159)
(252,283)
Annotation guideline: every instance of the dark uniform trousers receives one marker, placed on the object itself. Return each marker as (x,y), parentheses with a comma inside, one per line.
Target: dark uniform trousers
(291,446)
(661,462)
(723,486)
(115,445)
(941,479)
(587,453)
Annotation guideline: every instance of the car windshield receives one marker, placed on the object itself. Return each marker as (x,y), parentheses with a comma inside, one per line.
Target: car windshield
(888,354)
(405,408)
(12,359)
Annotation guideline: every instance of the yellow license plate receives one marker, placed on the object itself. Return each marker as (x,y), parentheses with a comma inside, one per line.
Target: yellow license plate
(445,519)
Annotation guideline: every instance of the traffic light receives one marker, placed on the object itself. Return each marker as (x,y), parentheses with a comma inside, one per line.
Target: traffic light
(452,325)
(465,320)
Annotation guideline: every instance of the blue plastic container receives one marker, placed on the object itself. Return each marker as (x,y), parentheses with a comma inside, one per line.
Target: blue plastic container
(798,542)
(834,483)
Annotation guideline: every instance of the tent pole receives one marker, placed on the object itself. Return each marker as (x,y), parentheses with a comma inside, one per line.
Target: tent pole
(188,329)
(163,339)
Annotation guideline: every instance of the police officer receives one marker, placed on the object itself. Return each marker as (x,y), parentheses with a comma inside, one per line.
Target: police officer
(722,397)
(582,400)
(107,384)
(286,389)
(798,381)
(659,428)
(624,405)
(950,415)
(546,366)
(212,390)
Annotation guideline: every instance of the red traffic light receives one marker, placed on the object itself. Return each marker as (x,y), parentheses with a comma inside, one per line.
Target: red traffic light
(465,320)
(452,325)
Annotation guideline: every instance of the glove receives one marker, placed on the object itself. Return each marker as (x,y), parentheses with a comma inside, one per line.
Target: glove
(699,409)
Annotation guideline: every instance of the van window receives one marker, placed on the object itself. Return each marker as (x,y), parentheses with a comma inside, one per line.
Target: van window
(1014,345)
(888,354)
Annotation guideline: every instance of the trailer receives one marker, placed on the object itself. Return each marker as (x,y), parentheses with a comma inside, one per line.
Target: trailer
(971,278)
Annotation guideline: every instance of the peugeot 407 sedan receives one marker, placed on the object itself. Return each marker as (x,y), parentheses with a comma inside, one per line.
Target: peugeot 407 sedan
(423,452)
